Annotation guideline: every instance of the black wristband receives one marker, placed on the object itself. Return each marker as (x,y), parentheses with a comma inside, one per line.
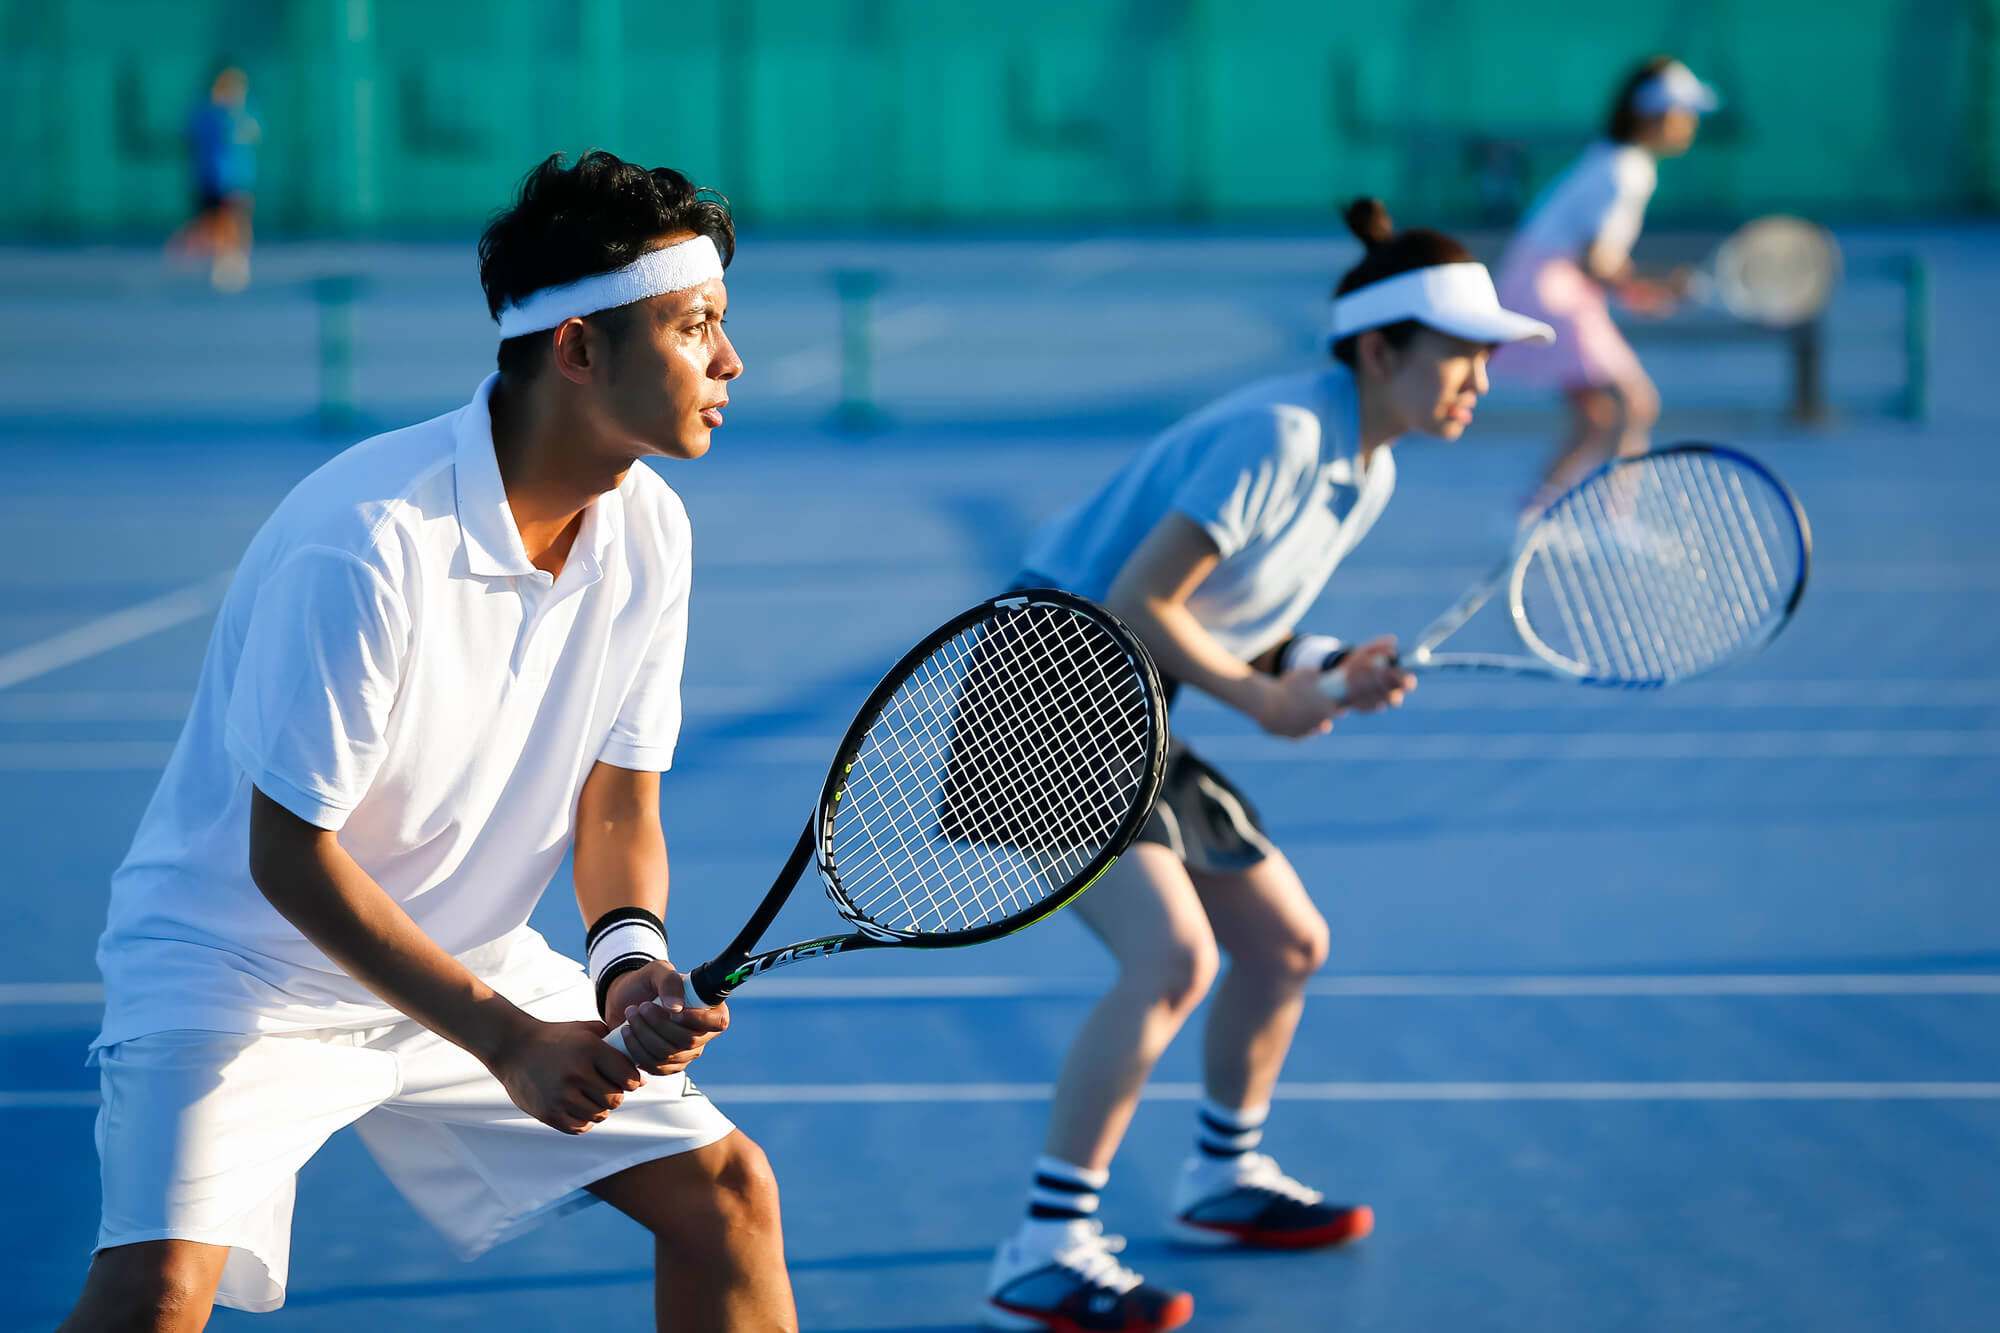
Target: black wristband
(629,963)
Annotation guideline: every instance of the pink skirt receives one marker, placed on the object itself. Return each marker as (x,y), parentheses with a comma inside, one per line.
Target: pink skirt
(1589,351)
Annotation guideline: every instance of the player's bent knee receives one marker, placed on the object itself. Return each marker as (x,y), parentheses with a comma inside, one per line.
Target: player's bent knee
(131,1290)
(735,1195)
(1306,952)
(1598,410)
(1185,971)
(1642,404)
(747,1188)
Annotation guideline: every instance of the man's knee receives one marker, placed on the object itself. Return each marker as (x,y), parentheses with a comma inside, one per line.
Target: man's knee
(154,1287)
(732,1191)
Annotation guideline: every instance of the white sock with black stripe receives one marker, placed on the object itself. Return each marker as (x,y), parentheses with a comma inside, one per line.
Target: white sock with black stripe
(1225,1133)
(1062,1193)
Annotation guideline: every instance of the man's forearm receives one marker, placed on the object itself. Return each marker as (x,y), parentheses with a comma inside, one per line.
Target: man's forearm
(620,865)
(341,909)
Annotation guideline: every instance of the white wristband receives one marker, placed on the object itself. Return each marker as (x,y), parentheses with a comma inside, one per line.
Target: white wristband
(1309,650)
(622,940)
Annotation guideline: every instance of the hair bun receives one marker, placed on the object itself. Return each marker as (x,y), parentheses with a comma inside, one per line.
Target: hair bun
(1369,220)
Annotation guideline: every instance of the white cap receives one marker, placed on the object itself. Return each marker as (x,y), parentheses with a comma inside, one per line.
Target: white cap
(1674,88)
(1452,298)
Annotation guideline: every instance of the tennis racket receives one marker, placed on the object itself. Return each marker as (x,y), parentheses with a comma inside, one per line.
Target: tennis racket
(992,776)
(1777,271)
(1652,570)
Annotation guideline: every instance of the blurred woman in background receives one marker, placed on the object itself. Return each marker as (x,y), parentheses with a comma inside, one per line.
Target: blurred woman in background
(1574,247)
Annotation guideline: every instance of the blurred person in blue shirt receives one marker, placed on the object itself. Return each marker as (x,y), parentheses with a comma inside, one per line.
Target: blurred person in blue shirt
(223,134)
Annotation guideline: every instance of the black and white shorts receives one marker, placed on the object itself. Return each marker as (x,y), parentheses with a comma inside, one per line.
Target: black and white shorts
(1203,819)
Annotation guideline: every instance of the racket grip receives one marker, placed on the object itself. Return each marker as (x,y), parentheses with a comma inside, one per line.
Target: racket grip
(1333,681)
(708,985)
(615,1039)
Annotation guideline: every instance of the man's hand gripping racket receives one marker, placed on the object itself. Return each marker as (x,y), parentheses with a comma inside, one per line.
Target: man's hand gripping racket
(1652,570)
(992,776)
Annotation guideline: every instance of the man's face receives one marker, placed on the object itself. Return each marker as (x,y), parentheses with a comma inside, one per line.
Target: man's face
(668,370)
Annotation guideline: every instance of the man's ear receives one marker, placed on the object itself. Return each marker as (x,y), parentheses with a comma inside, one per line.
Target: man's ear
(579,350)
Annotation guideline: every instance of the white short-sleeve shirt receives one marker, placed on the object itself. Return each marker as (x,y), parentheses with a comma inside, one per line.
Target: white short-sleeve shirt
(1599,201)
(1272,473)
(388,663)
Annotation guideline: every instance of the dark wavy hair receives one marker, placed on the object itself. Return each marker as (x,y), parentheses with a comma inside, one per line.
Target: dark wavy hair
(570,221)
(1390,252)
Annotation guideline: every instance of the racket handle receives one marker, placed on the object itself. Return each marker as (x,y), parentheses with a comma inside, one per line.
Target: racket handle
(1333,682)
(615,1039)
(708,985)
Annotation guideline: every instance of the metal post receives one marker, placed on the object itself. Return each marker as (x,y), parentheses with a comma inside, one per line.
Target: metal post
(1809,406)
(1916,338)
(334,296)
(857,288)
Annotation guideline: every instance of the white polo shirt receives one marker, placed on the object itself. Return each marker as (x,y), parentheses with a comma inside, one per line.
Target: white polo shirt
(1599,201)
(389,664)
(1273,475)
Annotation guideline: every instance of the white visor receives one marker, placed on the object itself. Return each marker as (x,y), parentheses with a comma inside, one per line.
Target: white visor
(671,268)
(1452,298)
(1674,88)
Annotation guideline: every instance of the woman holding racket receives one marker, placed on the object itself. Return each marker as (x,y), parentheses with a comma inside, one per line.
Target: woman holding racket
(1574,246)
(1211,543)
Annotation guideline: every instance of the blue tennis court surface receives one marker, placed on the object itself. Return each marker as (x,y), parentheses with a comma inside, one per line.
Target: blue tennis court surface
(1665,1012)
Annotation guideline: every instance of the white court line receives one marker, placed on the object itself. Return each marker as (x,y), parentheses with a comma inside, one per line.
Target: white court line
(1683,985)
(84,756)
(1354,745)
(1350,747)
(714,702)
(95,705)
(820,1094)
(115,630)
(906,1094)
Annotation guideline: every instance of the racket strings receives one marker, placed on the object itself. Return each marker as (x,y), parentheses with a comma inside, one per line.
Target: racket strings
(978,887)
(986,887)
(1661,568)
(994,776)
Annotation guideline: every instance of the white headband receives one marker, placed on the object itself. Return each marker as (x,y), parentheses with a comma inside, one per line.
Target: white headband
(1453,298)
(671,268)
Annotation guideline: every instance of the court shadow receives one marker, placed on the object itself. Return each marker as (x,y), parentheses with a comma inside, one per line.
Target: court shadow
(612,1277)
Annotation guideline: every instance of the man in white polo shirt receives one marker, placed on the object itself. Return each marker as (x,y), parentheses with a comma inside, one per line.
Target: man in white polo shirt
(451,655)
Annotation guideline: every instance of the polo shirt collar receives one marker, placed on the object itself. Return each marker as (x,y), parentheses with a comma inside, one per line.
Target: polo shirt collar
(492,542)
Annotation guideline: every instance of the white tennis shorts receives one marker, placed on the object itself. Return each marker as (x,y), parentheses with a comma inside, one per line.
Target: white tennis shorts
(201,1136)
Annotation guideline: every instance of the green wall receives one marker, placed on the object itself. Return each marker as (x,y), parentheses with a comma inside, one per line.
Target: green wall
(419,114)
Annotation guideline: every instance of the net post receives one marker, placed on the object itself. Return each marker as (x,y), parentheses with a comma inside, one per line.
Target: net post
(857,288)
(334,297)
(1916,338)
(1808,341)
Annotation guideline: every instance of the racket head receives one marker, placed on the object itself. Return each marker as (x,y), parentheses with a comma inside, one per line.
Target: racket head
(1662,567)
(996,771)
(1779,271)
